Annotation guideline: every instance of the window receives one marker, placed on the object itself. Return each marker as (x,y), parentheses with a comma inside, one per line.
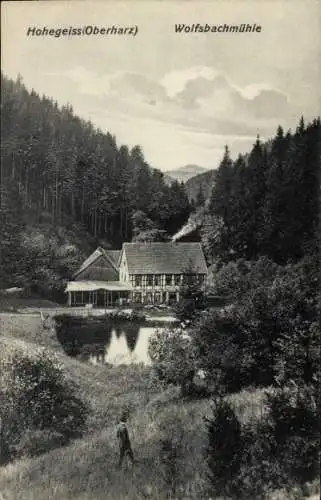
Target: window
(157,298)
(186,279)
(137,297)
(168,279)
(149,281)
(177,279)
(138,280)
(189,279)
(157,280)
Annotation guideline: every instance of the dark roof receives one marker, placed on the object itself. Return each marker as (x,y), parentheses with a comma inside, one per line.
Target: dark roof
(92,257)
(111,255)
(165,257)
(114,255)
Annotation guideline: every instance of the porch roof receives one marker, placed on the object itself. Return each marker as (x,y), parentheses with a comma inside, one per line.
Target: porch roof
(91,286)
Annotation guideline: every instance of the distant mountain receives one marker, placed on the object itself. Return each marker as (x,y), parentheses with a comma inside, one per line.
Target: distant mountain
(184,173)
(206,180)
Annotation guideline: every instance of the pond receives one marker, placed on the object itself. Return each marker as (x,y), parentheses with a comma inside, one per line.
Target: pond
(102,341)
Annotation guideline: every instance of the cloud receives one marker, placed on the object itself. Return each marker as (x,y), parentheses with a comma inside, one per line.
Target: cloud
(213,94)
(197,96)
(270,104)
(186,114)
(125,84)
(175,81)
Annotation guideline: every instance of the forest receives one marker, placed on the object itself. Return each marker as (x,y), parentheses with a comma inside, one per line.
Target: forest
(60,170)
(266,202)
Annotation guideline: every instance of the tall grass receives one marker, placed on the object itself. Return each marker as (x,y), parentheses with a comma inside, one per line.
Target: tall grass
(86,468)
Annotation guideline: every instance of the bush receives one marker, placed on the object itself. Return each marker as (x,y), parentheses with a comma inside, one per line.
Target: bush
(236,279)
(282,450)
(191,300)
(271,335)
(170,452)
(36,398)
(224,446)
(222,350)
(185,309)
(260,471)
(295,427)
(173,358)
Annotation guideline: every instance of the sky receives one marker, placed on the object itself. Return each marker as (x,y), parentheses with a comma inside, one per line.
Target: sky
(181,96)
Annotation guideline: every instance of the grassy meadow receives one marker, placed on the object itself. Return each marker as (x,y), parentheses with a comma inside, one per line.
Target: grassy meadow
(87,468)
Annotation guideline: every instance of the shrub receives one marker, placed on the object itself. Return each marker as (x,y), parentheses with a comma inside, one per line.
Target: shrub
(260,471)
(36,398)
(223,450)
(185,309)
(170,452)
(173,358)
(220,342)
(295,427)
(270,335)
(236,279)
(191,300)
(282,450)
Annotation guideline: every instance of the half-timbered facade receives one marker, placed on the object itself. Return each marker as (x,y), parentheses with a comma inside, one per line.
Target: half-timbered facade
(157,271)
(141,273)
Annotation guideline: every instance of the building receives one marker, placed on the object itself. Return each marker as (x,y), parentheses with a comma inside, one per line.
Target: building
(97,281)
(141,273)
(156,271)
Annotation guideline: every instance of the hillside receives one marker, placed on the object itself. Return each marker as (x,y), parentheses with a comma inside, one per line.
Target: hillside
(182,174)
(49,255)
(86,469)
(204,181)
(55,162)
(59,171)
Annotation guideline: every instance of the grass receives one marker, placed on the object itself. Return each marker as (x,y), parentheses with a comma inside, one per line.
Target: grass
(13,303)
(86,469)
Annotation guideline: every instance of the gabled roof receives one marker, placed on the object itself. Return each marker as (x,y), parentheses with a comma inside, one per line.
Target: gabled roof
(114,255)
(111,255)
(165,258)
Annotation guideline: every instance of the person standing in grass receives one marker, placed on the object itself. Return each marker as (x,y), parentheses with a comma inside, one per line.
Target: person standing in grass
(125,448)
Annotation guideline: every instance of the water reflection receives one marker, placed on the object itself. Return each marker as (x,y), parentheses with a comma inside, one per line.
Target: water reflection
(127,350)
(131,331)
(101,342)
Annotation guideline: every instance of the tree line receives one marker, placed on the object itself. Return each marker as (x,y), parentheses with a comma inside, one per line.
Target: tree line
(63,165)
(267,202)
(60,168)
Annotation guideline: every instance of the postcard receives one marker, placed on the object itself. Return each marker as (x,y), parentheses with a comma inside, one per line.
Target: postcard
(159,250)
